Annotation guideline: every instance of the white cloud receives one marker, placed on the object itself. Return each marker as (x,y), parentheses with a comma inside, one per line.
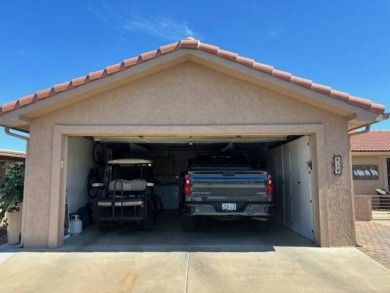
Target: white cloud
(162,27)
(123,19)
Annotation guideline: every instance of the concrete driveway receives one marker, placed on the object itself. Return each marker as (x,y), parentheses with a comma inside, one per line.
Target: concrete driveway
(219,258)
(283,269)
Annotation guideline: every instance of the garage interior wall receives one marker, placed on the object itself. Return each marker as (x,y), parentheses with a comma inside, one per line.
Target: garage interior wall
(78,166)
(167,167)
(291,165)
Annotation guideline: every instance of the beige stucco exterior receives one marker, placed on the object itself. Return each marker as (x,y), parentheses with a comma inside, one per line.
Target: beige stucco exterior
(363,208)
(187,99)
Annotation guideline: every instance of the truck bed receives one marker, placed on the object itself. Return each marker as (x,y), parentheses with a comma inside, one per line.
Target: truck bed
(222,184)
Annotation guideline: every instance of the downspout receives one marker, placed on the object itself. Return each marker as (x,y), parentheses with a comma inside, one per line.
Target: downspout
(383,117)
(26,139)
(367,129)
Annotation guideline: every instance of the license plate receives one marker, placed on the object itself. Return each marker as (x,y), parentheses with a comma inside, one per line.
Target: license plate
(229,207)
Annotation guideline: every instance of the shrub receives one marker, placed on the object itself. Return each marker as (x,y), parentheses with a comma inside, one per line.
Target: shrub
(11,188)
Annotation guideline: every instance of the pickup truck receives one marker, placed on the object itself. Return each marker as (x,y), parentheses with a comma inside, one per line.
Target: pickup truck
(227,193)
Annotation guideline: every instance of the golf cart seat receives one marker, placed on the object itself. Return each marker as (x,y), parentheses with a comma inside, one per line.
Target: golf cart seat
(122,189)
(127,185)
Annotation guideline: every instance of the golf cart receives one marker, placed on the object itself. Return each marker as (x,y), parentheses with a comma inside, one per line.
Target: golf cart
(127,194)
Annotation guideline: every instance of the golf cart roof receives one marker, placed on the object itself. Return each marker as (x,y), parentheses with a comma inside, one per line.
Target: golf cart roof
(129,162)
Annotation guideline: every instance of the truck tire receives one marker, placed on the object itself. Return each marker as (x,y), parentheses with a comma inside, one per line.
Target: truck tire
(187,223)
(262,226)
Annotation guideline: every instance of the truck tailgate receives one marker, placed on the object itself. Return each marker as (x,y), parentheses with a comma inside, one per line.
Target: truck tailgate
(234,185)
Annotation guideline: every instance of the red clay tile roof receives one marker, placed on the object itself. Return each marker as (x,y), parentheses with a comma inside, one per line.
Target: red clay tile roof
(190,43)
(373,141)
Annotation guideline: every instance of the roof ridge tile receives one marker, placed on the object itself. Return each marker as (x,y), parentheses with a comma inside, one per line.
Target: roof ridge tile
(79,81)
(263,67)
(43,94)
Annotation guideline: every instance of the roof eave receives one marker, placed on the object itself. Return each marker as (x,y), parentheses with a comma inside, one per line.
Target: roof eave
(244,68)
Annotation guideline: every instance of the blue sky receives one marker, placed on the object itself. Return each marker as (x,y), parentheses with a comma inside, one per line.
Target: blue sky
(343,44)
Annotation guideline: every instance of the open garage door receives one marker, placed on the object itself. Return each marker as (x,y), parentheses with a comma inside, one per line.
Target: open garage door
(292,166)
(286,157)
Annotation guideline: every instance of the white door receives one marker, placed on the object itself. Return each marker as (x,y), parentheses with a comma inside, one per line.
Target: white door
(302,212)
(305,178)
(295,186)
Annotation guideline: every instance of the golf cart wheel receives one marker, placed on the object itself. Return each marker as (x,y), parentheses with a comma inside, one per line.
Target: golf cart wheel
(91,189)
(262,226)
(187,223)
(98,153)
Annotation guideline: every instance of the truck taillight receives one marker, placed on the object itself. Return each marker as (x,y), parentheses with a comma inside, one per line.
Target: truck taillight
(187,185)
(270,188)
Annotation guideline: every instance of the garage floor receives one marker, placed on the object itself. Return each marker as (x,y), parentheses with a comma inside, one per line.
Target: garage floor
(212,235)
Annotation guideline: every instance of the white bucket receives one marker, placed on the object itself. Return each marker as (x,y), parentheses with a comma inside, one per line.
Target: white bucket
(75,225)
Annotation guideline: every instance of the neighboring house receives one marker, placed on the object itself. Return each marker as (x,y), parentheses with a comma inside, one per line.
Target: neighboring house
(9,156)
(370,161)
(370,168)
(187,94)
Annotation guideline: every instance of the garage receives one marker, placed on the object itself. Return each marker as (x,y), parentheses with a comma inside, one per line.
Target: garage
(167,160)
(185,99)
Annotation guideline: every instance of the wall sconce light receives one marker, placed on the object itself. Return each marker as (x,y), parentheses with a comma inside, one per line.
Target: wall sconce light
(337,164)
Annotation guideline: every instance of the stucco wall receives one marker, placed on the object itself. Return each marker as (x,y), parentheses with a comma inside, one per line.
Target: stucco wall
(369,186)
(190,94)
(363,208)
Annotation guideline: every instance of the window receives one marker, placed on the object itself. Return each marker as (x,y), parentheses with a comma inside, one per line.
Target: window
(365,172)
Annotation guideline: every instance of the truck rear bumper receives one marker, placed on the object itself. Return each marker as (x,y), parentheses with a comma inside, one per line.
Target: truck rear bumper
(213,209)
